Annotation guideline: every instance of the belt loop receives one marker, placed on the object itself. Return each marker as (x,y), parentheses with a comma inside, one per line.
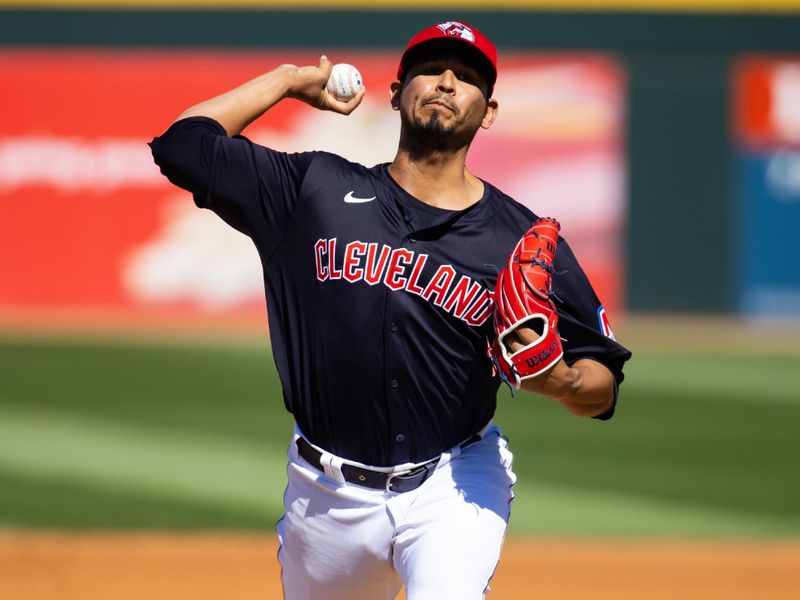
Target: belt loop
(336,468)
(332,466)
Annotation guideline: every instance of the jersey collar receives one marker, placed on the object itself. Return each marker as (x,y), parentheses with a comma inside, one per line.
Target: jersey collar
(438,217)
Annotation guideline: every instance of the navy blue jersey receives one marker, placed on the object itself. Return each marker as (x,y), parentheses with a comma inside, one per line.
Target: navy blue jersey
(379,304)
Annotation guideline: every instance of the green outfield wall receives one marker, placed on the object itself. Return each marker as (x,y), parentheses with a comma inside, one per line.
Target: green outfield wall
(680,235)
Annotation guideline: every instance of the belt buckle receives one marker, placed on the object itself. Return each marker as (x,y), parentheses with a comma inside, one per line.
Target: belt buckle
(411,472)
(392,476)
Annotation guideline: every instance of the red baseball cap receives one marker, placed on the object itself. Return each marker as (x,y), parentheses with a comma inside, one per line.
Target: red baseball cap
(457,32)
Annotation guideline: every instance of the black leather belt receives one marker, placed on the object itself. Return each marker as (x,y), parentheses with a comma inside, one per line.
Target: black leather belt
(377,480)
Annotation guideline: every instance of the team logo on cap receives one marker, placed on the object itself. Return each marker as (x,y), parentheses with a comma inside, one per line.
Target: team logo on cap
(456,29)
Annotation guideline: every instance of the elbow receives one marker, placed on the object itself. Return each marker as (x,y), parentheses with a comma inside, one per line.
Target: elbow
(165,151)
(180,144)
(588,410)
(160,150)
(180,154)
(599,404)
(598,411)
(166,161)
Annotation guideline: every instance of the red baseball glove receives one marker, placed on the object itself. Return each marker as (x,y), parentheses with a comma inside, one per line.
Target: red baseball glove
(522,297)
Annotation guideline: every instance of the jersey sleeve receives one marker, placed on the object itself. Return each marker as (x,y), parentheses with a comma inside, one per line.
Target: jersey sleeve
(252,188)
(582,322)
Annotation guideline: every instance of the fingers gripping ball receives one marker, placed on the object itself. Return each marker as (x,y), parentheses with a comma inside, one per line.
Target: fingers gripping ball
(522,298)
(344,82)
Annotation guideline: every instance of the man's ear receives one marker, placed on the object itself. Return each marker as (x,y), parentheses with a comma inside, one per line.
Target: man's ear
(394,94)
(491,113)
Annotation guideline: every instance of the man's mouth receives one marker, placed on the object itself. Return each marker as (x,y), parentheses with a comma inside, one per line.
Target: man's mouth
(440,103)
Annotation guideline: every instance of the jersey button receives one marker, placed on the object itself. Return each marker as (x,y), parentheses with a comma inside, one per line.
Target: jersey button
(394,327)
(394,383)
(407,217)
(400,438)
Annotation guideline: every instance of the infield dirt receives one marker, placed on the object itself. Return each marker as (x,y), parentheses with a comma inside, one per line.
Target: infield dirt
(37,566)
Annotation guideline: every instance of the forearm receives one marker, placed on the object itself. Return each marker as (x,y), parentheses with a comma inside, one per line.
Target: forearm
(236,109)
(585,389)
(185,151)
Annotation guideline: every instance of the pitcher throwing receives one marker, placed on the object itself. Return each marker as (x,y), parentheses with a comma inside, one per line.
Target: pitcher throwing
(390,328)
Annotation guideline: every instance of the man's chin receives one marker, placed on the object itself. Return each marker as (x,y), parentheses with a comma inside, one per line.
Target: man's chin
(434,127)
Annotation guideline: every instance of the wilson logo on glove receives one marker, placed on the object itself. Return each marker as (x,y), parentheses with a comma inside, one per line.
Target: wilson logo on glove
(535,361)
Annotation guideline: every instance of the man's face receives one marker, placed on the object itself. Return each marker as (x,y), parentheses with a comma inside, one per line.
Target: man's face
(443,98)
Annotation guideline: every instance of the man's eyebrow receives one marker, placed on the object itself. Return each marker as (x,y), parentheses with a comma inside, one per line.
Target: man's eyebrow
(432,61)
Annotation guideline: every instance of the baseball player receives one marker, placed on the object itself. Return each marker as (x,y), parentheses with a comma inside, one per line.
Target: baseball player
(400,296)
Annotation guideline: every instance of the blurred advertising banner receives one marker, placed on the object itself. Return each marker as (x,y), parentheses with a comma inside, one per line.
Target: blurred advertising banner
(766,102)
(89,225)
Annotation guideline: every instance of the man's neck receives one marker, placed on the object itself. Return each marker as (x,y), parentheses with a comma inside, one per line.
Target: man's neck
(438,179)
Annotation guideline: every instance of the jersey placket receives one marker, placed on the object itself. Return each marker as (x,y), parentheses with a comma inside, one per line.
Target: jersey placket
(394,351)
(397,380)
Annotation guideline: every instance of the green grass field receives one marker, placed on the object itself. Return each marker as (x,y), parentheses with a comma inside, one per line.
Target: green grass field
(172,435)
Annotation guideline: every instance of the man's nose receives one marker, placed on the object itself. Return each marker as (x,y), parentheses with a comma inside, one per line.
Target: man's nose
(447,82)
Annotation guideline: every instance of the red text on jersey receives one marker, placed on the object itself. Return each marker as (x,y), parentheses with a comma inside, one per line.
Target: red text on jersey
(400,269)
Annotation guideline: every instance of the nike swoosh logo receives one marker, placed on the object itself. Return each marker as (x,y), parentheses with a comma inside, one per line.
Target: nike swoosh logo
(350,199)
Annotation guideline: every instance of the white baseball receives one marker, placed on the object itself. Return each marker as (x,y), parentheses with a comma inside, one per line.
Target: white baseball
(344,82)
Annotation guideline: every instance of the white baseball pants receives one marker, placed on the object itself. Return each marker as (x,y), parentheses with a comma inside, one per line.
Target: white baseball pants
(341,541)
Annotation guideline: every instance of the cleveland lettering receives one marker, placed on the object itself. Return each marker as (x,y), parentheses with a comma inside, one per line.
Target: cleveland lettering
(401,269)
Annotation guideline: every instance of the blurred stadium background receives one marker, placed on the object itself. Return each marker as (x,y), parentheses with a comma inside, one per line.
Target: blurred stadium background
(137,389)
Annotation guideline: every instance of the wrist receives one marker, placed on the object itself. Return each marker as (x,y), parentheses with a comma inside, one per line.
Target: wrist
(560,382)
(287,79)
